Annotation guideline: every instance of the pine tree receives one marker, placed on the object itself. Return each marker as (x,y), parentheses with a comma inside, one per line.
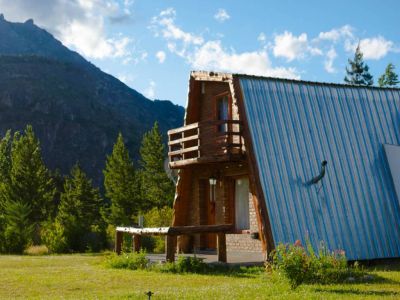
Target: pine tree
(157,189)
(18,229)
(30,181)
(79,213)
(389,78)
(5,166)
(358,73)
(121,185)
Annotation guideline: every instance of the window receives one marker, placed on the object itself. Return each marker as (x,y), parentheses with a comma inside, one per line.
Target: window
(242,215)
(223,112)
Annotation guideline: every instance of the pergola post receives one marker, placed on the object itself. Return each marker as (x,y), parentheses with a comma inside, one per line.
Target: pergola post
(171,248)
(136,241)
(221,240)
(118,242)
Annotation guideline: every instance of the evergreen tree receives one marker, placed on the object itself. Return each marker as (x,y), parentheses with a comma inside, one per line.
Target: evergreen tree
(358,71)
(157,189)
(30,181)
(389,78)
(18,229)
(121,185)
(79,213)
(5,166)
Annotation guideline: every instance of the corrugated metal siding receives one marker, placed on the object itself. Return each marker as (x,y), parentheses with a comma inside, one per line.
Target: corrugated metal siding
(294,127)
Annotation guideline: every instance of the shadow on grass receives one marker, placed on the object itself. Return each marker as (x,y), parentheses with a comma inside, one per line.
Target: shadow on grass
(218,270)
(358,292)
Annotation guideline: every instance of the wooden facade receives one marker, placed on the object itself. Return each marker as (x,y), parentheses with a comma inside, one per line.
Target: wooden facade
(216,182)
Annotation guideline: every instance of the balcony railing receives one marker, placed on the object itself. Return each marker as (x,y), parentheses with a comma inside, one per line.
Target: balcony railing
(205,142)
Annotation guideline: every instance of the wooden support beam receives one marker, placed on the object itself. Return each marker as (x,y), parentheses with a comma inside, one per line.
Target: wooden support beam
(136,241)
(221,240)
(171,247)
(118,242)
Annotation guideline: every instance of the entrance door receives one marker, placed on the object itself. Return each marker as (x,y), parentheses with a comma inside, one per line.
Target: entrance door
(207,213)
(242,214)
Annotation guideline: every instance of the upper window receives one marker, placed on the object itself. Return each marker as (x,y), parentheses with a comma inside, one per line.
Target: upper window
(223,111)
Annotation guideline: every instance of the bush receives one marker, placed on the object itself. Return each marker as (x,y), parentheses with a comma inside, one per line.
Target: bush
(185,264)
(303,265)
(36,250)
(54,238)
(132,261)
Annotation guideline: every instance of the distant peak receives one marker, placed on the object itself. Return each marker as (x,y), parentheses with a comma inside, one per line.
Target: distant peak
(29,22)
(2,17)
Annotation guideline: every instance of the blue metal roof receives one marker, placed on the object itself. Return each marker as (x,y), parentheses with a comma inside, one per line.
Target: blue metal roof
(295,126)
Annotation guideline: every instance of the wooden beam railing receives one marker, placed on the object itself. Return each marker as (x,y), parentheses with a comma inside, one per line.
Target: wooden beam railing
(171,234)
(188,143)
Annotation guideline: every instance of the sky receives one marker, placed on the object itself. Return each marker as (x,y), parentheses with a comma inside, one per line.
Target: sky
(153,45)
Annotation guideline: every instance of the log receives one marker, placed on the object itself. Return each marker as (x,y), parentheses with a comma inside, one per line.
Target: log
(118,242)
(221,240)
(171,248)
(136,241)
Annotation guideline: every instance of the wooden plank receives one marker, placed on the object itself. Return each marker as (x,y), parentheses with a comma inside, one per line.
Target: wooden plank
(182,140)
(179,230)
(181,151)
(177,164)
(170,247)
(183,128)
(118,241)
(221,239)
(137,243)
(144,231)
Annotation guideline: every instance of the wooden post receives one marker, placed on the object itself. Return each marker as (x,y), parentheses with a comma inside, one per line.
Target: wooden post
(221,247)
(171,248)
(118,242)
(136,241)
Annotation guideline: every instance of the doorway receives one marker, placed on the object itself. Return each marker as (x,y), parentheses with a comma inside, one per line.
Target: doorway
(207,213)
(242,213)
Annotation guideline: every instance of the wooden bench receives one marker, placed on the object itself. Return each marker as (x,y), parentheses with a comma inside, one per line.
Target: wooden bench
(172,233)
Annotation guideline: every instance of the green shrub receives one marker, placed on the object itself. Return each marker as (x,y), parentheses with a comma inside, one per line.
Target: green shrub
(186,264)
(303,265)
(53,237)
(132,261)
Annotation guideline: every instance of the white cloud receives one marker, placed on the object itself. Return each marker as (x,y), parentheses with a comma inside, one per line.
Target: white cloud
(291,47)
(372,48)
(212,56)
(262,37)
(79,24)
(166,21)
(128,79)
(150,91)
(221,15)
(161,56)
(336,33)
(330,57)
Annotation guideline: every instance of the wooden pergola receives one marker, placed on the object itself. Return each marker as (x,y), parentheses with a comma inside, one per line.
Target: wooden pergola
(171,234)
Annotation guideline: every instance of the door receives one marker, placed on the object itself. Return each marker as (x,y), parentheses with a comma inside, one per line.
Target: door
(207,212)
(242,214)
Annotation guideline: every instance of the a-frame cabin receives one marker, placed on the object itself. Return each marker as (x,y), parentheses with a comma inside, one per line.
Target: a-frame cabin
(286,160)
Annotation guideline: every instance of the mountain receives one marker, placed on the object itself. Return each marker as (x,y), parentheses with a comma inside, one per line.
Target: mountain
(75,109)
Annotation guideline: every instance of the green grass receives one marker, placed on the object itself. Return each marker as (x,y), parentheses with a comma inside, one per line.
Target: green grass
(86,277)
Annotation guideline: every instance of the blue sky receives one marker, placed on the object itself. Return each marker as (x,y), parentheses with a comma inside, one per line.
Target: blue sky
(153,45)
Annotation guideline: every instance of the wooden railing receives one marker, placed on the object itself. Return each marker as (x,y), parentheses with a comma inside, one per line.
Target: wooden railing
(209,141)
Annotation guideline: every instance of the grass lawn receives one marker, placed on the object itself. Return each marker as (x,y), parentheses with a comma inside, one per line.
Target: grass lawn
(85,277)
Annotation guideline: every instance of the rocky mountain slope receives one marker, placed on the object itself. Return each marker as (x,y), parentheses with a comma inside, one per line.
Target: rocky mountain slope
(76,109)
